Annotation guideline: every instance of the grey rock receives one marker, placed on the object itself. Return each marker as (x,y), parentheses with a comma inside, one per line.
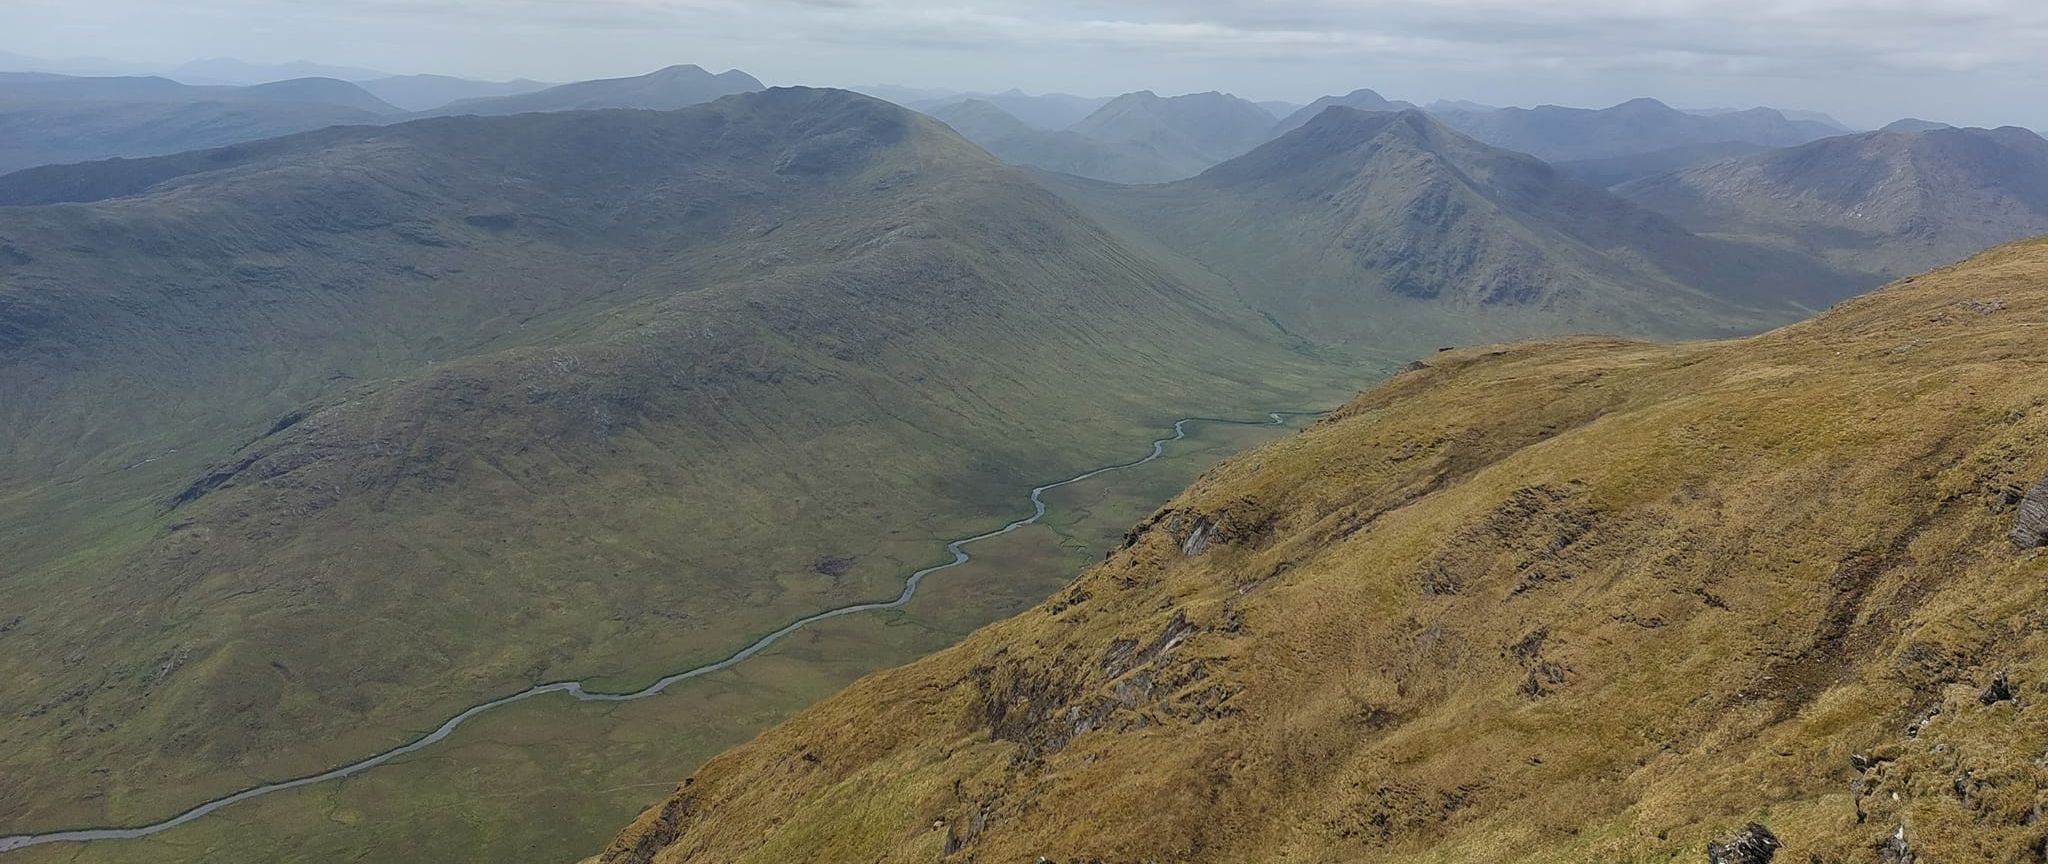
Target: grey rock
(2030,527)
(1754,844)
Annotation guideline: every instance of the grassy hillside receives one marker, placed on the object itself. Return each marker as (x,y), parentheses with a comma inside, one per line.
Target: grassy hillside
(1391,229)
(1888,203)
(319,440)
(1585,600)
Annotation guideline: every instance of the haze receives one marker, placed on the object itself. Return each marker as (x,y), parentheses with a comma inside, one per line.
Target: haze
(1974,62)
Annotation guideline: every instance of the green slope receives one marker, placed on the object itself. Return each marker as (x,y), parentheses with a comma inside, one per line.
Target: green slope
(312,442)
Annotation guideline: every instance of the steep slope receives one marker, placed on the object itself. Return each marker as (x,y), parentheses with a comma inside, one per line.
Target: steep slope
(311,443)
(57,120)
(1066,152)
(427,92)
(1390,229)
(1889,202)
(1187,133)
(661,90)
(1573,601)
(1560,134)
(1361,99)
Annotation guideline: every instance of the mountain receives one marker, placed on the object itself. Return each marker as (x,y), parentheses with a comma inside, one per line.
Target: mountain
(427,92)
(312,442)
(1361,99)
(1393,230)
(1584,600)
(1886,203)
(55,120)
(1819,117)
(661,90)
(227,70)
(1559,134)
(1188,133)
(980,120)
(1066,152)
(1278,108)
(321,91)
(1052,111)
(1616,170)
(1913,124)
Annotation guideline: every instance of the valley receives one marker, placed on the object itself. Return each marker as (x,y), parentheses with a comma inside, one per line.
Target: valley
(421,467)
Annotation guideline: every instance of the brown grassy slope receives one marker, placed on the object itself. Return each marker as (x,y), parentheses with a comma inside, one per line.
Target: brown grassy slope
(1585,600)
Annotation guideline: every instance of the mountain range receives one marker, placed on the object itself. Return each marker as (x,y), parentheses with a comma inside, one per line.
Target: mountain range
(1394,230)
(1889,203)
(336,409)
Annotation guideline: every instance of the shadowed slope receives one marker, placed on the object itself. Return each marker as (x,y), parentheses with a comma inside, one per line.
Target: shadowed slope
(320,438)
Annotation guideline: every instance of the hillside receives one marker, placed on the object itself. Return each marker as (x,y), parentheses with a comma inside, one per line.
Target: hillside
(1391,229)
(311,443)
(1888,203)
(55,119)
(1361,99)
(1559,134)
(1186,133)
(1585,600)
(661,90)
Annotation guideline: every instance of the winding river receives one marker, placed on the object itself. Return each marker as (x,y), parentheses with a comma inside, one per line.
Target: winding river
(576,690)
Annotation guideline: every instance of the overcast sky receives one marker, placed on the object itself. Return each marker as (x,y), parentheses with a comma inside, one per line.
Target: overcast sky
(1979,62)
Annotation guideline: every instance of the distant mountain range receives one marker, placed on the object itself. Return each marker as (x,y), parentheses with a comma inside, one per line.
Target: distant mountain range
(661,90)
(52,119)
(1390,228)
(1637,126)
(1888,203)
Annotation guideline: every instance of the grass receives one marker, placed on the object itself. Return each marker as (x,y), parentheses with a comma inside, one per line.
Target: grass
(553,779)
(1587,599)
(558,416)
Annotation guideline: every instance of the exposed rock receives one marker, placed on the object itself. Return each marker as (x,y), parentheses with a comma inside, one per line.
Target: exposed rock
(1198,537)
(2000,690)
(1754,844)
(1893,849)
(2030,527)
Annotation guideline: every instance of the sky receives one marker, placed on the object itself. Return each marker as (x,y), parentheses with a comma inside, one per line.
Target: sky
(1972,62)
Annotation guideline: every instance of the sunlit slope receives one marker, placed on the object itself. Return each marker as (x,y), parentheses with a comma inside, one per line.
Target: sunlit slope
(1581,600)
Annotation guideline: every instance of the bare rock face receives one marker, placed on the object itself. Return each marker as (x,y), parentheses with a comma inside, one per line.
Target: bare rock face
(2030,528)
(1754,844)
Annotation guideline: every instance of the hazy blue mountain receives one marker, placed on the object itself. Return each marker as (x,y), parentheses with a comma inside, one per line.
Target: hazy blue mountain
(662,90)
(1888,203)
(1361,99)
(1561,134)
(1064,151)
(46,120)
(227,70)
(427,92)
(1186,133)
